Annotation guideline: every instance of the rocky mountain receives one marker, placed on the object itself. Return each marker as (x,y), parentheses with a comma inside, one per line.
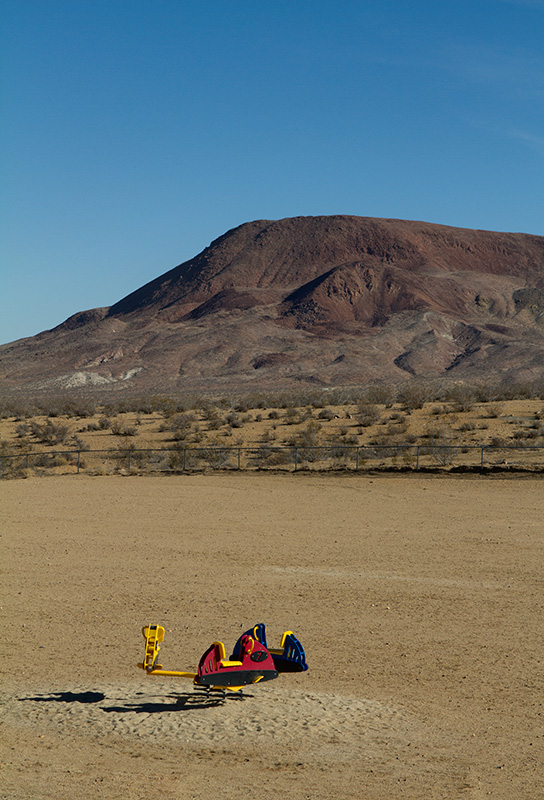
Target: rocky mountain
(328,301)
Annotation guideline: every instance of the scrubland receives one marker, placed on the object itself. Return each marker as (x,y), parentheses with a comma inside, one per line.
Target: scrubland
(404,428)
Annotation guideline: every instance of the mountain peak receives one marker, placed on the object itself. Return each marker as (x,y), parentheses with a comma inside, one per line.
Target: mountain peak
(345,299)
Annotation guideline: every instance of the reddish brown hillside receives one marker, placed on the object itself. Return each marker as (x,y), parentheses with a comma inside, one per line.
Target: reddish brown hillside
(293,252)
(330,300)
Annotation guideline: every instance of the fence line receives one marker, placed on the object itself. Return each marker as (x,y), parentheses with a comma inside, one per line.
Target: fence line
(284,457)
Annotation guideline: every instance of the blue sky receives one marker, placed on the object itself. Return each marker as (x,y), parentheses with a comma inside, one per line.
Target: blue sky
(137,131)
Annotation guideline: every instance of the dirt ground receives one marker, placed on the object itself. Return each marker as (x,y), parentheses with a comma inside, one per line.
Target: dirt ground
(418,600)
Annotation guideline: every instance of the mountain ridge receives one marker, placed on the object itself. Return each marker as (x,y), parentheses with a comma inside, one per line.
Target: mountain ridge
(331,300)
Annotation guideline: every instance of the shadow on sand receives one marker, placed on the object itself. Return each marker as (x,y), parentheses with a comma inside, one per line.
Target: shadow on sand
(178,702)
(67,697)
(181,702)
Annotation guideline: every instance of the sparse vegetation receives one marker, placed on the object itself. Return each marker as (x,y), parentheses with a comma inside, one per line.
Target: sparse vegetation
(49,432)
(368,414)
(338,427)
(123,429)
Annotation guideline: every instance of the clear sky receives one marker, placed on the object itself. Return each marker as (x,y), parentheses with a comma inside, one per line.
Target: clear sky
(137,131)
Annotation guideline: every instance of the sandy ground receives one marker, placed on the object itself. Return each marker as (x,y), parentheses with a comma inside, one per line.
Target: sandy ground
(418,600)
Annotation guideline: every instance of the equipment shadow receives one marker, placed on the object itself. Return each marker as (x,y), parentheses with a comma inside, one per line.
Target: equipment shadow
(67,697)
(181,702)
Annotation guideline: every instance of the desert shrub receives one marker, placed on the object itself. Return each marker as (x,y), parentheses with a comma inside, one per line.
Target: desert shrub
(122,456)
(78,407)
(257,400)
(379,395)
(179,425)
(119,428)
(509,390)
(327,414)
(78,443)
(381,448)
(180,458)
(49,432)
(442,445)
(142,405)
(467,426)
(92,426)
(12,463)
(52,407)
(307,442)
(22,430)
(311,454)
(223,402)
(233,420)
(209,411)
(215,456)
(198,435)
(7,410)
(49,460)
(169,406)
(367,415)
(308,437)
(461,397)
(525,433)
(273,414)
(492,410)
(112,409)
(270,457)
(338,451)
(414,395)
(485,392)
(149,460)
(19,409)
(394,428)
(291,416)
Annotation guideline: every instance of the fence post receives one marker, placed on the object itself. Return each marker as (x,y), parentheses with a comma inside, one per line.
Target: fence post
(238,458)
(356,458)
(417,459)
(27,460)
(296,458)
(78,460)
(184,458)
(482,460)
(129,457)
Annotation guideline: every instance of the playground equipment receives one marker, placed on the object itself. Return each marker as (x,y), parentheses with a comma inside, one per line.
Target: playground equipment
(251,660)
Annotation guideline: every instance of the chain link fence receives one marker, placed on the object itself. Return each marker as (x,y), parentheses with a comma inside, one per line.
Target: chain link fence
(184,459)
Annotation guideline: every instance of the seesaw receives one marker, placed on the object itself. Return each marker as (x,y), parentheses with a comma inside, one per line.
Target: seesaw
(251,660)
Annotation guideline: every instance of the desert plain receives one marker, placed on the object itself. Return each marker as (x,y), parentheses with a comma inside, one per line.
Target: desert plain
(418,600)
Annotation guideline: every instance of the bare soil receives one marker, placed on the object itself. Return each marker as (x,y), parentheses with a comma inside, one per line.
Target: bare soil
(418,600)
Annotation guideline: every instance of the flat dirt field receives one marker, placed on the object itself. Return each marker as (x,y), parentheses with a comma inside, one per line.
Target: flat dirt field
(418,601)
